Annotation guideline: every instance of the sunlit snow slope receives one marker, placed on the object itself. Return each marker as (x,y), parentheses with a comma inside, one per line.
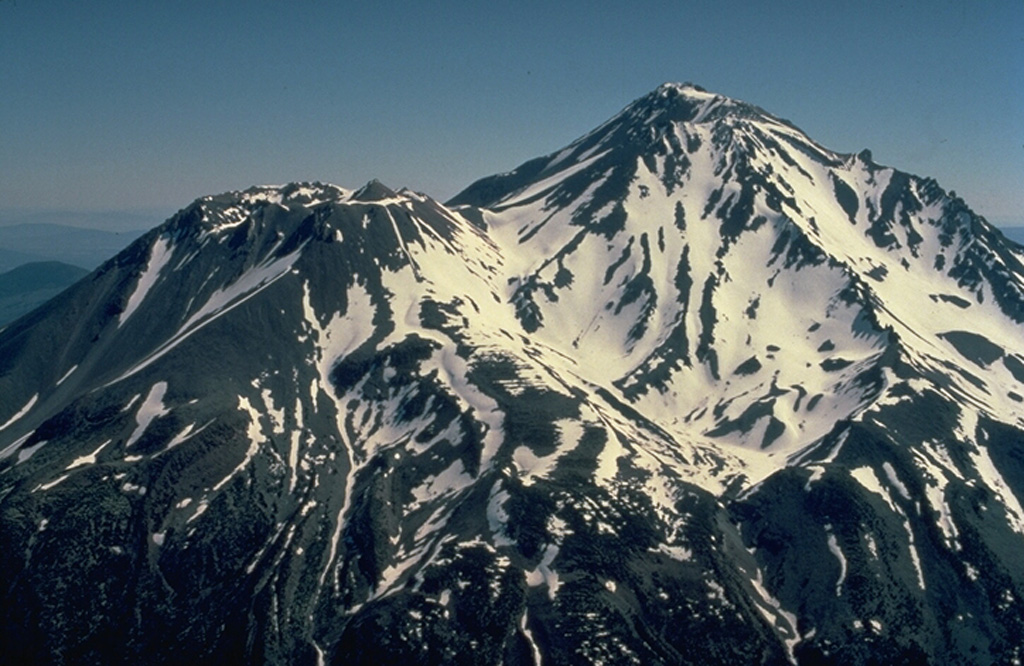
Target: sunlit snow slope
(693,389)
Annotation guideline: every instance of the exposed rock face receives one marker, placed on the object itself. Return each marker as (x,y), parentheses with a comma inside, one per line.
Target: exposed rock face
(693,389)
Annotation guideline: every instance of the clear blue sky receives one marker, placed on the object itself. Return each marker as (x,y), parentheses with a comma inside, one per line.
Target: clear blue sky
(144,106)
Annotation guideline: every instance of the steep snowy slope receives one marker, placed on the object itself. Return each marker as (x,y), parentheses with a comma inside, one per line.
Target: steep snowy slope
(734,256)
(693,389)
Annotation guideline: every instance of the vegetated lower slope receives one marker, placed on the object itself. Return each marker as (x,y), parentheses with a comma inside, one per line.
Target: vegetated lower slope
(693,389)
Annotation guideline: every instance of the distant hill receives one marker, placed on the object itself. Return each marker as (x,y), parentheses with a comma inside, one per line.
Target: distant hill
(41,242)
(30,285)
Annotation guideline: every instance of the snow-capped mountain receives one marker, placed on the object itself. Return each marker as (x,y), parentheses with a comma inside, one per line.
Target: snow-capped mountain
(693,389)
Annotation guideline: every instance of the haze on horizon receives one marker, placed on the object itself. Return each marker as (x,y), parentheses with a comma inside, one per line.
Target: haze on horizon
(139,108)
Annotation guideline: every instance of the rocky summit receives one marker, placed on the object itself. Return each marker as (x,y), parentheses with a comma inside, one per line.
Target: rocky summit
(693,389)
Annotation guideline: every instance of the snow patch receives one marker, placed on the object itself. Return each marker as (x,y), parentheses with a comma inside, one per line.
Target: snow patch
(51,484)
(867,478)
(13,446)
(677,553)
(497,517)
(833,546)
(785,622)
(913,554)
(151,409)
(21,412)
(26,453)
(256,439)
(276,415)
(894,480)
(544,574)
(451,480)
(183,436)
(66,375)
(534,650)
(995,482)
(872,544)
(159,255)
(201,508)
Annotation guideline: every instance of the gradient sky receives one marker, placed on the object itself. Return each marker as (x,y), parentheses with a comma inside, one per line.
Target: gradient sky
(144,106)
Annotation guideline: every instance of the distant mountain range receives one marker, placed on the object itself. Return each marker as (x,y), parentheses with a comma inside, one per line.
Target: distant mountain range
(692,389)
(38,260)
(40,241)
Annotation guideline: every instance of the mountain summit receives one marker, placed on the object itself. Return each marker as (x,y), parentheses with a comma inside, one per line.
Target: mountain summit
(692,389)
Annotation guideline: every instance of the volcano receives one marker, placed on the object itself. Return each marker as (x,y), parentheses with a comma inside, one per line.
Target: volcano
(693,389)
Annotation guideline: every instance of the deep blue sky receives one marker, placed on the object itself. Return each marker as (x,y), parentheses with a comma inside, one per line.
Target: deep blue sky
(144,106)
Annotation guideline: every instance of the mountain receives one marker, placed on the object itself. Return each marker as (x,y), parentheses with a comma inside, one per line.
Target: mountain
(30,285)
(36,241)
(692,389)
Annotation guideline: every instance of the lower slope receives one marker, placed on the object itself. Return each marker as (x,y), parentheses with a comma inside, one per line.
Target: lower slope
(315,431)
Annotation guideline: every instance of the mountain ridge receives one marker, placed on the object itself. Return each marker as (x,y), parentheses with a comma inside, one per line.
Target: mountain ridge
(692,389)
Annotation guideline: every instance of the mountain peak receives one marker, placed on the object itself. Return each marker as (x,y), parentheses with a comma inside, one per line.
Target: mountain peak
(688,102)
(690,375)
(668,127)
(670,101)
(373,191)
(674,90)
(686,85)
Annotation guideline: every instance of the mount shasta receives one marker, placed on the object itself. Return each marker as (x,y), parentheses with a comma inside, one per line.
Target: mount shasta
(693,389)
